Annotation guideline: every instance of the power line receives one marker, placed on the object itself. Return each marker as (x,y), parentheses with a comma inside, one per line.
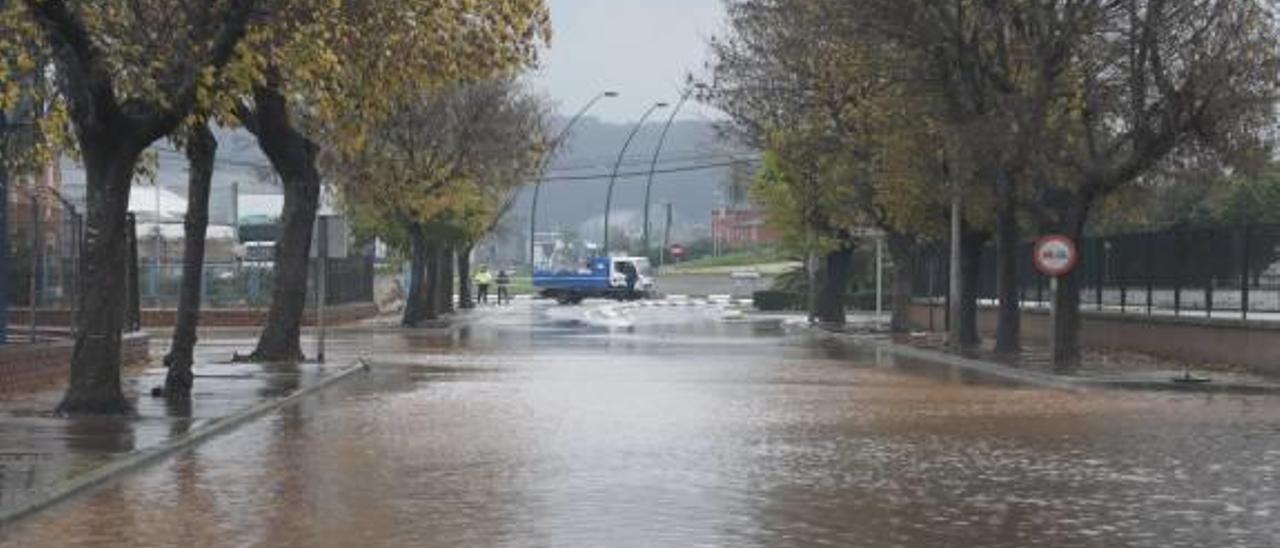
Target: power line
(699,150)
(645,160)
(589,177)
(703,167)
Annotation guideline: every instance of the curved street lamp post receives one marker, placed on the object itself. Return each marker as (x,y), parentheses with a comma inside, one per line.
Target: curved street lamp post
(546,162)
(657,151)
(613,179)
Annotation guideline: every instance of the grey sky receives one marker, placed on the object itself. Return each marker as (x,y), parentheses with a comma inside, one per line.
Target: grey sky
(641,48)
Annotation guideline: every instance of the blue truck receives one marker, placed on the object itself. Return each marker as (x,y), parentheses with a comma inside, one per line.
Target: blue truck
(598,278)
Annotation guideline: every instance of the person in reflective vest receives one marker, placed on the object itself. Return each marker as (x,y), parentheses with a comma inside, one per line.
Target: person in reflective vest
(482,279)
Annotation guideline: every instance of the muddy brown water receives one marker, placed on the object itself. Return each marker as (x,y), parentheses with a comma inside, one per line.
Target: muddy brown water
(607,426)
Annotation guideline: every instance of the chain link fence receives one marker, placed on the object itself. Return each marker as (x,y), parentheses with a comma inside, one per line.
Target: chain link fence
(1217,272)
(241,285)
(45,235)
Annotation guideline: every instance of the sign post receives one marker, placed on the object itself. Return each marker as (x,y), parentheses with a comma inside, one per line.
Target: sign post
(322,289)
(1055,256)
(879,278)
(677,252)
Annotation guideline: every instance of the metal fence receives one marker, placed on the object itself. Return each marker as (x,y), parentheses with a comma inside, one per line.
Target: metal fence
(44,237)
(1219,272)
(247,285)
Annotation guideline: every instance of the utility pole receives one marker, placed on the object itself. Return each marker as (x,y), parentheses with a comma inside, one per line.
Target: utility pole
(235,208)
(954,332)
(666,238)
(4,230)
(33,287)
(879,277)
(322,273)
(157,248)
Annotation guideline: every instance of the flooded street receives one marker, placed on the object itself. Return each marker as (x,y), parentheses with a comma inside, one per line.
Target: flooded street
(631,425)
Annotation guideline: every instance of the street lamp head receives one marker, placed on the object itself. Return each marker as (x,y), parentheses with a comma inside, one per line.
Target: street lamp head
(610,94)
(661,105)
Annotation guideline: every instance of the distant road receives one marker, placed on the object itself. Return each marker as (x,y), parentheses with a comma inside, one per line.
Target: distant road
(710,284)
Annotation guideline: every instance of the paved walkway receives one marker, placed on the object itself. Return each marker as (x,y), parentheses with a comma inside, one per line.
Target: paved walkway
(40,451)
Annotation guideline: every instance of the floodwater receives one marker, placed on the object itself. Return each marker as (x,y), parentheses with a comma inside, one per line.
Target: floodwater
(633,425)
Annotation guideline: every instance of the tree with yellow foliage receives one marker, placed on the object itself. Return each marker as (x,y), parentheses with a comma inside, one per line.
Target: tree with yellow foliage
(300,74)
(338,71)
(432,179)
(836,115)
(129,73)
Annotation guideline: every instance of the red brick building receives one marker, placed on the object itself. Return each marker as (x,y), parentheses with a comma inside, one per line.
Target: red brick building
(735,228)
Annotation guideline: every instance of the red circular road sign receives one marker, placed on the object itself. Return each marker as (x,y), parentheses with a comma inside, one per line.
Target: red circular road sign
(1056,255)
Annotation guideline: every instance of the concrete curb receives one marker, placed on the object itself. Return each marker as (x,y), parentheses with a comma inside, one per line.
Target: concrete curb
(1071,384)
(994,369)
(133,462)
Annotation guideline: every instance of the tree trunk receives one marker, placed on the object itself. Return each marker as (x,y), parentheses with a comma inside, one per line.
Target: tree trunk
(415,306)
(837,268)
(1009,323)
(447,270)
(1064,331)
(293,156)
(434,279)
(465,290)
(1065,324)
(201,149)
(109,160)
(900,252)
(971,263)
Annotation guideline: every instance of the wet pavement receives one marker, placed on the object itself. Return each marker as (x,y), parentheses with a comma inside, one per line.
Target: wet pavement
(643,425)
(39,451)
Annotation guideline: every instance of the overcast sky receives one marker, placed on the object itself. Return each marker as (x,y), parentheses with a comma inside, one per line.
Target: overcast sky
(641,48)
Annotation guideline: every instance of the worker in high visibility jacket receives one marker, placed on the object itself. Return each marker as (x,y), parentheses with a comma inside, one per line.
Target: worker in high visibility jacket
(482,279)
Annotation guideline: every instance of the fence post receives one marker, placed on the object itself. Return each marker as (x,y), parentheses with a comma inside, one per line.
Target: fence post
(1244,272)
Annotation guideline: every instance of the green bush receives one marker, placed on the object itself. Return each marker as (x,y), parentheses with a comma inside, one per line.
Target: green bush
(780,301)
(777,301)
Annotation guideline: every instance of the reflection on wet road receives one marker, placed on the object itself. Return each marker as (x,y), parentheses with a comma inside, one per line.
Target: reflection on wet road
(665,426)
